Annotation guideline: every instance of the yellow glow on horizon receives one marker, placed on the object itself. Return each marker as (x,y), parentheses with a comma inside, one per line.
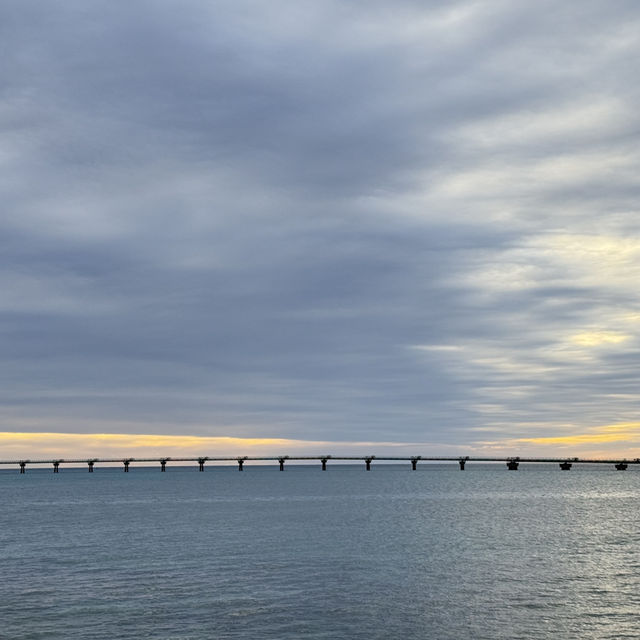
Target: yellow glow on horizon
(50,445)
(624,431)
(142,440)
(578,439)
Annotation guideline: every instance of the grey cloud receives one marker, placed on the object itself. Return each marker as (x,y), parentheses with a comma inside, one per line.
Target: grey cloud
(240,218)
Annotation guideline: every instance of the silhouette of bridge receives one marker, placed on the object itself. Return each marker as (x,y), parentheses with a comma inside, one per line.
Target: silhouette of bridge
(512,462)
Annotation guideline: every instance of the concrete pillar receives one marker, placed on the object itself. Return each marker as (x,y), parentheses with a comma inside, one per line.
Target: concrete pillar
(126,465)
(565,466)
(163,465)
(512,465)
(90,463)
(324,463)
(201,462)
(56,464)
(281,461)
(367,462)
(621,466)
(22,466)
(240,463)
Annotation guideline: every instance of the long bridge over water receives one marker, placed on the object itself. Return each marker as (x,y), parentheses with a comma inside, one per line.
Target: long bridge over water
(512,462)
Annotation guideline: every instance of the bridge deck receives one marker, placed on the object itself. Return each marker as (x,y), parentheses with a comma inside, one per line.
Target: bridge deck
(320,458)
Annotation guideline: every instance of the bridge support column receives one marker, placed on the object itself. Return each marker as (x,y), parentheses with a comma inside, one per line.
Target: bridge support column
(512,465)
(414,463)
(281,461)
(367,462)
(201,462)
(240,464)
(22,466)
(462,462)
(324,463)
(56,464)
(163,465)
(565,466)
(90,463)
(126,465)
(621,466)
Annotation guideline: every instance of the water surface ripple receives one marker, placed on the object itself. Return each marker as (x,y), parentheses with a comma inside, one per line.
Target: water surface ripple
(436,553)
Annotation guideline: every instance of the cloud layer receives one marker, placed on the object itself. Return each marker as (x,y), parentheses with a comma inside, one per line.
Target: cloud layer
(347,222)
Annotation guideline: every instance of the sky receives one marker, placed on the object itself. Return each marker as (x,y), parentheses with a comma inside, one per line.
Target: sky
(311,227)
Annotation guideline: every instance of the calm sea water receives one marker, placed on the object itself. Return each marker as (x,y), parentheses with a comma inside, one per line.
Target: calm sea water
(436,553)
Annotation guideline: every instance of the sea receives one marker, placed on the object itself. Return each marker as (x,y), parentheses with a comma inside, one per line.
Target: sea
(435,553)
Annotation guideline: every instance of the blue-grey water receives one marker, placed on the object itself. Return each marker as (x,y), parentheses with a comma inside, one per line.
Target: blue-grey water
(436,553)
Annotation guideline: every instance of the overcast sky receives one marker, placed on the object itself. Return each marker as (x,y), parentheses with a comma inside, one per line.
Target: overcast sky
(356,223)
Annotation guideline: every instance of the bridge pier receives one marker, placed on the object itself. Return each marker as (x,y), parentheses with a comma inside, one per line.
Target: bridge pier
(367,462)
(163,465)
(565,466)
(56,464)
(324,463)
(22,464)
(414,462)
(462,462)
(512,465)
(201,462)
(621,466)
(90,463)
(126,465)
(240,463)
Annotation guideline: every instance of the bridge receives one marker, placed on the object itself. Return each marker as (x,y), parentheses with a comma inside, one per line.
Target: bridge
(512,463)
